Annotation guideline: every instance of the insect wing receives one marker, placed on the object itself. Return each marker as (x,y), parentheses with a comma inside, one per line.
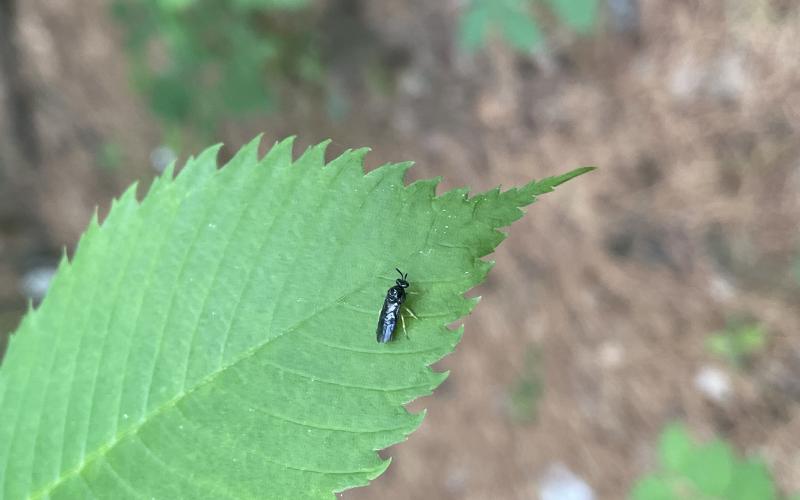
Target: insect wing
(387,322)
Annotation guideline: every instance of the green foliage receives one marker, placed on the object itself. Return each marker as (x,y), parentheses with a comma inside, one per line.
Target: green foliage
(694,471)
(579,15)
(200,61)
(217,339)
(515,22)
(528,390)
(737,342)
(511,18)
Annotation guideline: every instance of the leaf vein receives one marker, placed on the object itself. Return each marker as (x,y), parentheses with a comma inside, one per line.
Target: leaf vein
(263,409)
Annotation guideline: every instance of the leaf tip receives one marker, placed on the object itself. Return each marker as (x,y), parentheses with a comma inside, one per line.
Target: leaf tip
(548,184)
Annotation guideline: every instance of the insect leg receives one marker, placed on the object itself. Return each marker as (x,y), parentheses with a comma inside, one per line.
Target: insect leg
(403,322)
(411,312)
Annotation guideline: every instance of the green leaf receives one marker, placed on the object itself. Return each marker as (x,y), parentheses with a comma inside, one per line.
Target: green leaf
(720,344)
(695,471)
(710,468)
(738,341)
(510,17)
(675,447)
(751,481)
(579,15)
(520,30)
(652,488)
(217,339)
(474,26)
(751,338)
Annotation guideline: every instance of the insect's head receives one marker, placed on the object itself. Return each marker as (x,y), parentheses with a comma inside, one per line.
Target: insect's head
(401,282)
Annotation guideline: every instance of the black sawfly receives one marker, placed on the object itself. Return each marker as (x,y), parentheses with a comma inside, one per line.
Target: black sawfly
(387,321)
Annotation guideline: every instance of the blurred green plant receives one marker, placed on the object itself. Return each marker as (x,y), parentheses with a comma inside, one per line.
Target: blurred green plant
(738,342)
(110,155)
(515,21)
(527,391)
(695,471)
(200,61)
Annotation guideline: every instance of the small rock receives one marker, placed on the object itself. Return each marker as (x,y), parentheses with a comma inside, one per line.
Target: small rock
(730,80)
(686,80)
(36,282)
(713,383)
(161,157)
(611,355)
(721,288)
(560,483)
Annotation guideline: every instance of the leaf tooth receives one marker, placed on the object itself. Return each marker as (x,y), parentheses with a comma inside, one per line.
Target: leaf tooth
(481,269)
(425,187)
(472,302)
(161,181)
(129,195)
(458,333)
(374,473)
(121,208)
(280,154)
(88,237)
(350,160)
(169,172)
(393,173)
(436,378)
(413,422)
(454,195)
(247,157)
(199,169)
(313,156)
(489,195)
(63,272)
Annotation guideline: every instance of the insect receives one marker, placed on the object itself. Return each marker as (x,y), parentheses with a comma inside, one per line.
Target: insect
(387,321)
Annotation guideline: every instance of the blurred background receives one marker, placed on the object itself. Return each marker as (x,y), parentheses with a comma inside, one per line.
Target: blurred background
(663,288)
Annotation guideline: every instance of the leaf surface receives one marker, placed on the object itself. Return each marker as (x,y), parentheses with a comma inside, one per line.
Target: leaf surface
(217,339)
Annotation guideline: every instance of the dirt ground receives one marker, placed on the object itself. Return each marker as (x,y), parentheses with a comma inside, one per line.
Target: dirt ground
(615,281)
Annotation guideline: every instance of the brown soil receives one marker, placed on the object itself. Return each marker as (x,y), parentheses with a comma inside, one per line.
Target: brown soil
(616,280)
